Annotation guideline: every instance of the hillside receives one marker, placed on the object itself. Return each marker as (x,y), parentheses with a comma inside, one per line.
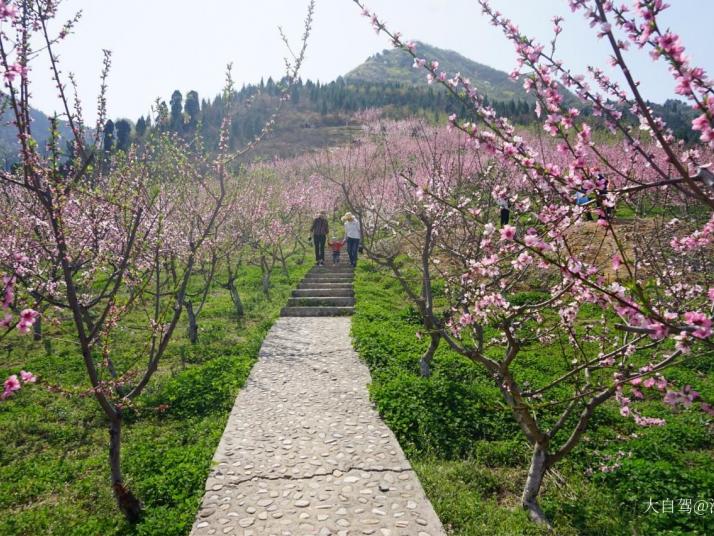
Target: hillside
(326,114)
(40,129)
(395,65)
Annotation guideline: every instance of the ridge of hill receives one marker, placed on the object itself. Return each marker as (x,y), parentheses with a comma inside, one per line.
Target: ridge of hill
(394,65)
(320,115)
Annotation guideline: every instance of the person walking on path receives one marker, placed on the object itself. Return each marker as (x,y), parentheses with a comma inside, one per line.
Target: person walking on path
(352,236)
(319,231)
(505,209)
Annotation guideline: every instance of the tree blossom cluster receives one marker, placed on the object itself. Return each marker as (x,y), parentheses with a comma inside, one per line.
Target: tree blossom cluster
(91,237)
(13,384)
(623,299)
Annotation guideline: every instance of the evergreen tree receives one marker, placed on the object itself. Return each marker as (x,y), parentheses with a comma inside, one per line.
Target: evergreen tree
(176,111)
(512,110)
(123,129)
(295,95)
(162,116)
(108,136)
(192,107)
(140,127)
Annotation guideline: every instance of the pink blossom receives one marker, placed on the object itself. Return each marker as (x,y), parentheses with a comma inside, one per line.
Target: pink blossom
(616,262)
(28,377)
(419,62)
(11,385)
(508,232)
(466,319)
(7,11)
(659,331)
(702,321)
(649,421)
(29,315)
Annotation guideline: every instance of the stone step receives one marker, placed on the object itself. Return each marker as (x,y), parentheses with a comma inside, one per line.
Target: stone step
(317,311)
(320,301)
(315,292)
(325,273)
(329,278)
(322,271)
(324,284)
(329,268)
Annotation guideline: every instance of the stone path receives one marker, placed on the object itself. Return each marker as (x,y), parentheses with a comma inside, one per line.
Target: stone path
(305,453)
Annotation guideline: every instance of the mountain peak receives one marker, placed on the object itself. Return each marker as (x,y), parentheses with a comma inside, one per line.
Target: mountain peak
(395,65)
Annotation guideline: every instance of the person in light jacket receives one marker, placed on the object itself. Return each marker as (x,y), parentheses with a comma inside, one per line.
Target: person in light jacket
(352,236)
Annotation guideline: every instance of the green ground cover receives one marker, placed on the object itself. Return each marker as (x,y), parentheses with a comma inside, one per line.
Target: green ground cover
(53,449)
(473,461)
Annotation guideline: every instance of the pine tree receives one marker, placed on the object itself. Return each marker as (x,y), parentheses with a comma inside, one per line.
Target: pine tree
(177,111)
(140,128)
(108,136)
(192,107)
(123,129)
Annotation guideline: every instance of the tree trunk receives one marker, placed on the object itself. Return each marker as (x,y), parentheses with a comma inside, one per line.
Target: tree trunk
(536,472)
(37,329)
(128,503)
(266,270)
(192,323)
(235,297)
(425,361)
(266,284)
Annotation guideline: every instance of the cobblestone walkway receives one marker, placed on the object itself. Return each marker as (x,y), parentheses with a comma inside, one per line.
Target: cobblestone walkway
(305,453)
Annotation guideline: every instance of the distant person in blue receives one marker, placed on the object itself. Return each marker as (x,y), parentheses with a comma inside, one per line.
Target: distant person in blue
(352,236)
(582,200)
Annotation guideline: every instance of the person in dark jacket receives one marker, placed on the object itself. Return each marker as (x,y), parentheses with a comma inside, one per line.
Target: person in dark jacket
(505,207)
(319,231)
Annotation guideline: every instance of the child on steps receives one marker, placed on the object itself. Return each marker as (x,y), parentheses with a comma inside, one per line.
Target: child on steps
(336,246)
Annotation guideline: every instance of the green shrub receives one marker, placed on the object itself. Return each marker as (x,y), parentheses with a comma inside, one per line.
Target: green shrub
(437,416)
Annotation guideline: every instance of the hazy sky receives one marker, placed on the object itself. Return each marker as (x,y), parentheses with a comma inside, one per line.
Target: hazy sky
(162,45)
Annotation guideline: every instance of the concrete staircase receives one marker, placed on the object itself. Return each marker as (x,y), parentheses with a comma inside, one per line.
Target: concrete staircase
(325,291)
